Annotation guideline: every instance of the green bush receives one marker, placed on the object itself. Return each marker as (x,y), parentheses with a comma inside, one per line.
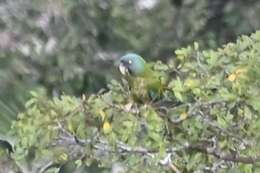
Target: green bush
(207,120)
(61,45)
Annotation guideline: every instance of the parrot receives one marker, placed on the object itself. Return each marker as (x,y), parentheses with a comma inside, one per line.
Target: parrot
(144,82)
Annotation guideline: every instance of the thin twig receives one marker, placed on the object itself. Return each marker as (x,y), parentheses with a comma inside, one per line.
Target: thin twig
(48,166)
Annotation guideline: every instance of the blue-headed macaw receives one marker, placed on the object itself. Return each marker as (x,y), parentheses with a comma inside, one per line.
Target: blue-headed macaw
(145,83)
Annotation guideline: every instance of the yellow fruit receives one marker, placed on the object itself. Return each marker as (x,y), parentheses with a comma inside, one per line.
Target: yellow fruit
(232,77)
(183,115)
(107,127)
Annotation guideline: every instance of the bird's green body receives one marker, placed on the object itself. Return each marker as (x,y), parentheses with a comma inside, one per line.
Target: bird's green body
(145,83)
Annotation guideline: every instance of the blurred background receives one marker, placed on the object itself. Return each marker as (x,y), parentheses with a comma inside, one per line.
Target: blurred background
(65,46)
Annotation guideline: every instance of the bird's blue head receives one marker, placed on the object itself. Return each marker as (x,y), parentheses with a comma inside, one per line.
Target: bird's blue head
(132,64)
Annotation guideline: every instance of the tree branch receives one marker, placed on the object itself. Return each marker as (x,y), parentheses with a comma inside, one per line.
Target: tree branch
(222,155)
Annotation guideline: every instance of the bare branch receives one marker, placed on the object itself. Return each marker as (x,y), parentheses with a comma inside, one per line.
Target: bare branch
(208,147)
(48,166)
(224,156)
(168,162)
(192,107)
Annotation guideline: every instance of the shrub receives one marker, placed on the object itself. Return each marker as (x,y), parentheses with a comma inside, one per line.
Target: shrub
(207,120)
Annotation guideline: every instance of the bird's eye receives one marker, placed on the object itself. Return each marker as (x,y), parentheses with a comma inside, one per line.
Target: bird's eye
(130,61)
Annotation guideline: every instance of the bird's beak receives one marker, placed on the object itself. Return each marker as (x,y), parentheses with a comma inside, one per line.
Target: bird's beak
(123,69)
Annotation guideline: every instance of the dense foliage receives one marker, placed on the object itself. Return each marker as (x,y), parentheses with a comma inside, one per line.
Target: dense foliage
(61,45)
(206,121)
